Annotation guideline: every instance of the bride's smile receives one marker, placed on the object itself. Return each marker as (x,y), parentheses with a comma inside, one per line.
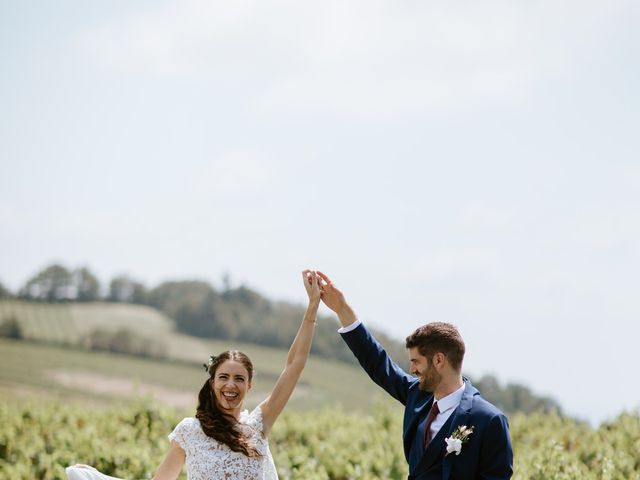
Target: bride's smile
(230,386)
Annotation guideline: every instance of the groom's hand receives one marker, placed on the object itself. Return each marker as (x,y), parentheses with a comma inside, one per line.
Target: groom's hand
(334,299)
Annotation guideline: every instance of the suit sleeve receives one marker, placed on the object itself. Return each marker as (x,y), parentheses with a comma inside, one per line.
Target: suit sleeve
(377,363)
(496,455)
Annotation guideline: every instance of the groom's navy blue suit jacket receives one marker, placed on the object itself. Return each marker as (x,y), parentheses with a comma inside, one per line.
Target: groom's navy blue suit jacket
(486,455)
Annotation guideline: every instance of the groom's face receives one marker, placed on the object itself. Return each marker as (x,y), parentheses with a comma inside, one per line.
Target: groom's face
(424,369)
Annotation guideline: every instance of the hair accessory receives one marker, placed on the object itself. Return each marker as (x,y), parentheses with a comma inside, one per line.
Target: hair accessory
(207,366)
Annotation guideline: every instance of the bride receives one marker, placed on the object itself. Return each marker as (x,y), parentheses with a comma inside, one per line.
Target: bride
(222,440)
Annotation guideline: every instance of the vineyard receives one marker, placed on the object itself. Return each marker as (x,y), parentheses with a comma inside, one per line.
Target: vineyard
(37,440)
(67,323)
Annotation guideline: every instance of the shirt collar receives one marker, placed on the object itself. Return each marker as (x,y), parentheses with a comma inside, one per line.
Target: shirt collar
(451,401)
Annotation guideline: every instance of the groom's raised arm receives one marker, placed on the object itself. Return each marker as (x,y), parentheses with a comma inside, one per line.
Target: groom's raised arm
(372,356)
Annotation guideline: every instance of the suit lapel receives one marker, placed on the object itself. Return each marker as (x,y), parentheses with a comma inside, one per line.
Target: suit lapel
(460,416)
(436,445)
(418,414)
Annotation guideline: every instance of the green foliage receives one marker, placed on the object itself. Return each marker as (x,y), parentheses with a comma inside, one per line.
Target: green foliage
(58,284)
(37,440)
(52,284)
(243,314)
(86,285)
(194,307)
(552,447)
(123,289)
(4,292)
(198,309)
(11,328)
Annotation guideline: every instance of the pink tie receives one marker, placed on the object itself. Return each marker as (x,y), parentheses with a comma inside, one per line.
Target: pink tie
(433,413)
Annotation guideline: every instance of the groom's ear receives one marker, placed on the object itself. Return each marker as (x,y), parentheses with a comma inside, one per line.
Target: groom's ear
(439,359)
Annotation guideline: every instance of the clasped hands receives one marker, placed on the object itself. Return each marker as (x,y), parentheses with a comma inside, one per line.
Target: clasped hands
(320,287)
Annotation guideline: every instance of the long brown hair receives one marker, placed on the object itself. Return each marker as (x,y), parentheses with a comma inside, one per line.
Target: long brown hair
(214,422)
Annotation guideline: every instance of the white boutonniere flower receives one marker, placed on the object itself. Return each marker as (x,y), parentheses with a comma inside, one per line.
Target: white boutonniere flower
(458,438)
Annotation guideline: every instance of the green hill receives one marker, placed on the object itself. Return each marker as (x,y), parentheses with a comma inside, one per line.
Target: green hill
(36,370)
(86,342)
(52,360)
(68,322)
(195,308)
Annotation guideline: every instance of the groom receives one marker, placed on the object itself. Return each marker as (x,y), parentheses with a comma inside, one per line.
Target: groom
(449,430)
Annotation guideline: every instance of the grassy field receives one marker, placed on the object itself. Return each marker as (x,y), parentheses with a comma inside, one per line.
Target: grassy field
(67,323)
(37,370)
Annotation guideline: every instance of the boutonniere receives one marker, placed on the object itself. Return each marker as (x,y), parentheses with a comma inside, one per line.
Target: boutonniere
(458,438)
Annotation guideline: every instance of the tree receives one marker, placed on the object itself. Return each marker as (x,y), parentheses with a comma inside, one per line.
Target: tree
(124,289)
(58,284)
(514,397)
(86,284)
(4,292)
(193,305)
(53,284)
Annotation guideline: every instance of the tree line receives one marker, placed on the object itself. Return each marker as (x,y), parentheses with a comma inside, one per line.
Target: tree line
(196,307)
(232,313)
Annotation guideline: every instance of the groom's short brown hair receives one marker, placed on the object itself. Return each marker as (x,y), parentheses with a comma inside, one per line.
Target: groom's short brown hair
(437,337)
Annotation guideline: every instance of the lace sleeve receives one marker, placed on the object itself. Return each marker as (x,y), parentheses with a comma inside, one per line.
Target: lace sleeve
(255,420)
(181,433)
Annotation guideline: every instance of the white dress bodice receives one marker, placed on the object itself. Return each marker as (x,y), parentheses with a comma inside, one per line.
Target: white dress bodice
(208,459)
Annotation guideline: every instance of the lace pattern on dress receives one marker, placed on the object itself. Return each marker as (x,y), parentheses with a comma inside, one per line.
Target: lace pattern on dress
(209,459)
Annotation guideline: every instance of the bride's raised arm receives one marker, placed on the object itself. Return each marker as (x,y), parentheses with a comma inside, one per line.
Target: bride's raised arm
(298,353)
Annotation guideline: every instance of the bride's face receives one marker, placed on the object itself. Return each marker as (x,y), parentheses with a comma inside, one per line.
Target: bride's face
(230,385)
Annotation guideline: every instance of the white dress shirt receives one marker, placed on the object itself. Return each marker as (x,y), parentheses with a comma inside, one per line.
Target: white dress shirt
(446,405)
(348,328)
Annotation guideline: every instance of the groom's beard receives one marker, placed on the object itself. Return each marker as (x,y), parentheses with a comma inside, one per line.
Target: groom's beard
(430,380)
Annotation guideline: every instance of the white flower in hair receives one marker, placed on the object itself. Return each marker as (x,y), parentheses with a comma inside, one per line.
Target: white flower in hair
(207,366)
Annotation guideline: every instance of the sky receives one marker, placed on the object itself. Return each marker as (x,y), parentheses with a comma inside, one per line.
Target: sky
(469,162)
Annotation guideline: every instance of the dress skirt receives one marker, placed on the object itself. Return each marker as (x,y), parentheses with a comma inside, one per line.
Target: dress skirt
(85,472)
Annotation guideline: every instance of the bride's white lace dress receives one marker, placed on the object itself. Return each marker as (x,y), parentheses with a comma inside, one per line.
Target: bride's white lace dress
(208,459)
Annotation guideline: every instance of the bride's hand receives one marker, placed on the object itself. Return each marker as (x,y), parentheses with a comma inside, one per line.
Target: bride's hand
(312,285)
